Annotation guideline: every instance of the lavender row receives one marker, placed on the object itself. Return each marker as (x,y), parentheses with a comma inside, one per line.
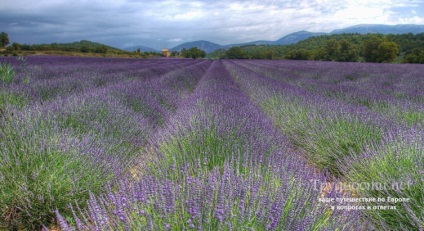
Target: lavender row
(72,144)
(160,97)
(43,78)
(385,154)
(325,130)
(392,90)
(217,164)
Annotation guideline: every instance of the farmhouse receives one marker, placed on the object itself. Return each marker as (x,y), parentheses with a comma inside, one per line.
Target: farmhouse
(165,52)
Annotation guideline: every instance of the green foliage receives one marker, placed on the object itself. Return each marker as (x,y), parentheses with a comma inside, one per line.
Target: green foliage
(332,50)
(331,140)
(338,47)
(16,46)
(101,49)
(205,145)
(398,165)
(11,99)
(7,73)
(175,54)
(263,54)
(348,52)
(370,48)
(84,49)
(235,53)
(414,56)
(38,175)
(81,46)
(387,51)
(378,49)
(4,39)
(298,54)
(325,138)
(407,42)
(193,52)
(335,50)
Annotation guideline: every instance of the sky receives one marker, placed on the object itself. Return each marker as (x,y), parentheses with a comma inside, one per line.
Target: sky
(167,23)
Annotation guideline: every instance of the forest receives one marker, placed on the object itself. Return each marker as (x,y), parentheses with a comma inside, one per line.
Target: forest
(402,48)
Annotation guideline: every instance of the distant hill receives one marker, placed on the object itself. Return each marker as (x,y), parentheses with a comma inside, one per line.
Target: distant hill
(296,37)
(256,43)
(73,46)
(142,49)
(201,44)
(79,48)
(381,29)
(77,45)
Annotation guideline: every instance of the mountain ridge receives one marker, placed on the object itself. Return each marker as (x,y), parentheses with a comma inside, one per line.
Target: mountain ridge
(298,36)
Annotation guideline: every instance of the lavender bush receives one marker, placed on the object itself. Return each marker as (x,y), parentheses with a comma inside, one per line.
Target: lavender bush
(324,130)
(42,168)
(212,200)
(398,167)
(7,73)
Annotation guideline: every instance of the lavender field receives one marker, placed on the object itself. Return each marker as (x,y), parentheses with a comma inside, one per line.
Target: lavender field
(181,144)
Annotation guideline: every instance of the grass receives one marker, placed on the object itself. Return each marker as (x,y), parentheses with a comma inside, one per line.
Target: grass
(204,148)
(413,117)
(51,173)
(7,73)
(325,138)
(59,156)
(409,116)
(399,164)
(331,140)
(8,98)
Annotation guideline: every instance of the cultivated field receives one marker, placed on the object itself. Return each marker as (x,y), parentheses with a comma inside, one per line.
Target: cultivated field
(177,144)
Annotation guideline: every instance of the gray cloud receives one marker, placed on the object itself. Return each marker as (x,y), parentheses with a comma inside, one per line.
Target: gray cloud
(166,23)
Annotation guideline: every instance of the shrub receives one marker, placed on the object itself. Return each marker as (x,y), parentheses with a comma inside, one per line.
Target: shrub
(42,169)
(6,73)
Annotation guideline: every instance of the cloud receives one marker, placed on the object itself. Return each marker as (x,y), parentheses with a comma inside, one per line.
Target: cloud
(165,23)
(175,40)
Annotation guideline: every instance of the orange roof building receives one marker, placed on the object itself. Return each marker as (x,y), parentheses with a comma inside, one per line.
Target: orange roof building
(166,52)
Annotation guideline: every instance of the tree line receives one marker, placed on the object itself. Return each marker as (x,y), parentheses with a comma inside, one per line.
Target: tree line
(407,48)
(194,53)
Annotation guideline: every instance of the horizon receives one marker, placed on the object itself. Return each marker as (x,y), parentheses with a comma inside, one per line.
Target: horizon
(168,23)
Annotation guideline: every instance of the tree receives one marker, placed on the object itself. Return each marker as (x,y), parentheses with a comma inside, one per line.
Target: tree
(332,49)
(235,53)
(184,52)
(347,52)
(175,54)
(263,54)
(415,56)
(378,49)
(101,49)
(4,39)
(193,52)
(298,54)
(17,46)
(85,49)
(387,52)
(370,48)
